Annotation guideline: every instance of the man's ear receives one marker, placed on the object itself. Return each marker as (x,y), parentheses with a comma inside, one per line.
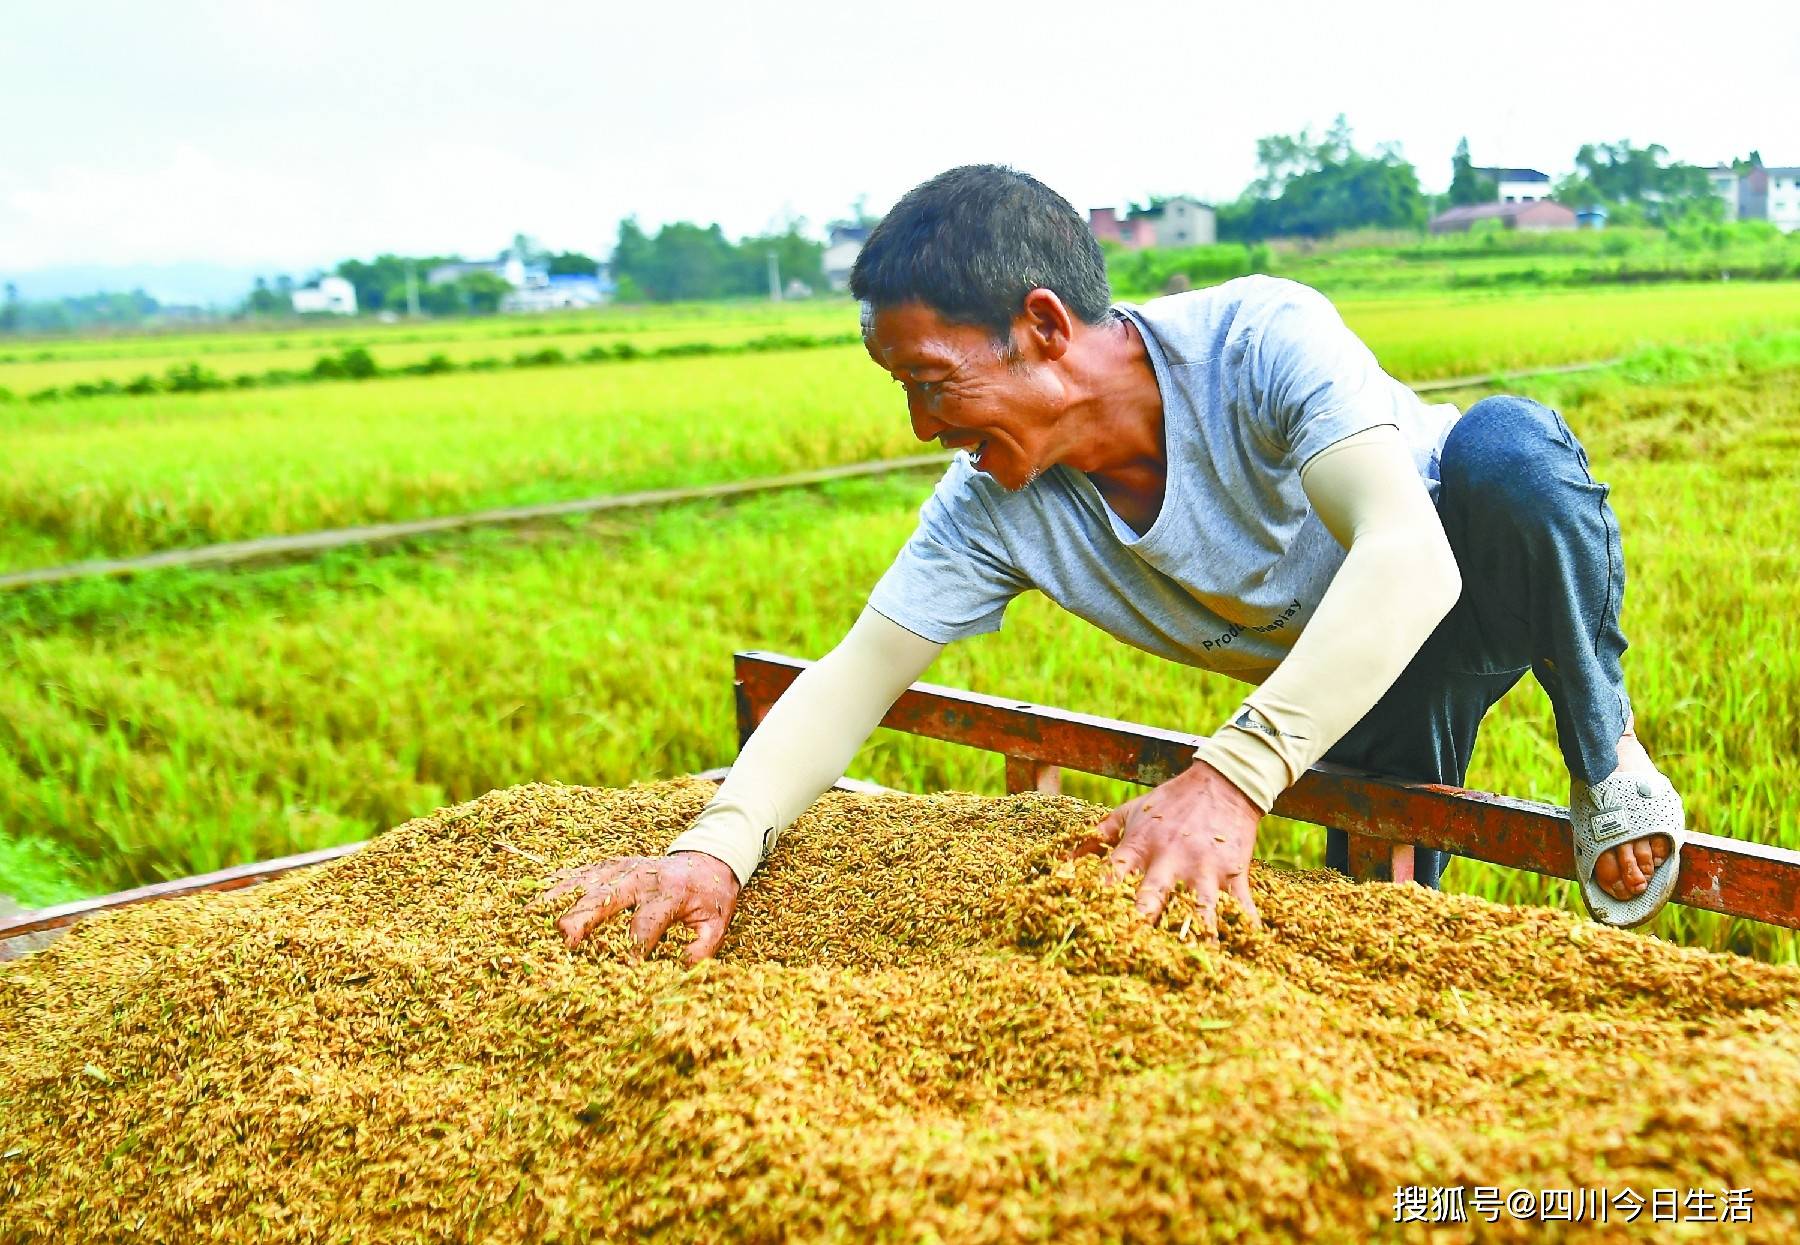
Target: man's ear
(1045,326)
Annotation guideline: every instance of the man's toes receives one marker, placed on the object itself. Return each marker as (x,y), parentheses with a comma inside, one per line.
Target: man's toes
(1612,873)
(1606,868)
(1659,848)
(1606,872)
(1631,871)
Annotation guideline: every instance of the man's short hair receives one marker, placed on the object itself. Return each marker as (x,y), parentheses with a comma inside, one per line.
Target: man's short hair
(972,242)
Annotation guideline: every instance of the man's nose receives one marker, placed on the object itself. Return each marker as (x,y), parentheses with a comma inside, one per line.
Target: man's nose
(925,427)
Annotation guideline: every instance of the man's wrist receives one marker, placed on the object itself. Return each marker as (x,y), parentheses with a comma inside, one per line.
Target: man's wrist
(1244,768)
(727,832)
(702,855)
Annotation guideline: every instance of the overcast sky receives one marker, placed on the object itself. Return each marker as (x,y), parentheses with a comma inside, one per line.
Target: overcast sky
(292,134)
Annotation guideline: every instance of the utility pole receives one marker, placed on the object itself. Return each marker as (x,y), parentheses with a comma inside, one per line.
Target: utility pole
(774,278)
(412,290)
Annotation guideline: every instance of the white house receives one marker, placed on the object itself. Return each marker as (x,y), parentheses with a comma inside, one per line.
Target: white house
(1517,185)
(844,245)
(1784,198)
(509,268)
(1724,181)
(1182,221)
(332,296)
(1759,193)
(564,292)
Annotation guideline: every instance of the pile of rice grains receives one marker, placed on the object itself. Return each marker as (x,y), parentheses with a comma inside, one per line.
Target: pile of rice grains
(924,1026)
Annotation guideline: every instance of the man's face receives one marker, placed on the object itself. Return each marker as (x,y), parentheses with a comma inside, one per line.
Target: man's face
(962,392)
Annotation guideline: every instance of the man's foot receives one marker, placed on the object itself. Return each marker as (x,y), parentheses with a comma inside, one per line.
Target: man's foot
(1624,871)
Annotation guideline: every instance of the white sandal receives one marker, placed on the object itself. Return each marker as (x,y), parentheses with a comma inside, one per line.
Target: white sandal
(1619,809)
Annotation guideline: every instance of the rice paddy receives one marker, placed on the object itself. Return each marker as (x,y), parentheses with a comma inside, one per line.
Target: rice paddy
(188,720)
(114,476)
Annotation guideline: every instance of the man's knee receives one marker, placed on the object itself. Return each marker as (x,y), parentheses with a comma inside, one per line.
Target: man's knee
(1512,452)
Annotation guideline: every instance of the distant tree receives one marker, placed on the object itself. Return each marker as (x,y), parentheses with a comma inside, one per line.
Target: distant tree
(9,311)
(1620,174)
(571,264)
(1360,192)
(1619,171)
(682,261)
(66,314)
(1578,192)
(1235,221)
(48,316)
(1688,195)
(381,282)
(1280,158)
(442,299)
(1150,203)
(693,262)
(264,301)
(471,294)
(1310,188)
(372,279)
(798,257)
(633,254)
(1336,144)
(1466,185)
(481,292)
(688,261)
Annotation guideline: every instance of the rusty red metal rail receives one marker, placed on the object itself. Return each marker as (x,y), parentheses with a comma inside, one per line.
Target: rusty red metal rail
(1385,818)
(45,920)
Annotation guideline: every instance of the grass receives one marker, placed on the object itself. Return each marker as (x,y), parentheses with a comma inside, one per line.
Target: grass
(1420,337)
(300,340)
(1458,262)
(1378,262)
(114,476)
(499,347)
(188,720)
(1606,320)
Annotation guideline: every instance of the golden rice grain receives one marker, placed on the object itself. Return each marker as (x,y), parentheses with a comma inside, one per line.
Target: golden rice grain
(923,1026)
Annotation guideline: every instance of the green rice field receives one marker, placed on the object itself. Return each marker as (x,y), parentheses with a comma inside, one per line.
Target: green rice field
(119,475)
(28,367)
(185,720)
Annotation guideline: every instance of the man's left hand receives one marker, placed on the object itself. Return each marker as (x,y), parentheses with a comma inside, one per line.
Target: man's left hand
(1196,829)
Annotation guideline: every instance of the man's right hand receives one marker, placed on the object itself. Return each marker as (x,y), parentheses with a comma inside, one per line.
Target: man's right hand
(692,888)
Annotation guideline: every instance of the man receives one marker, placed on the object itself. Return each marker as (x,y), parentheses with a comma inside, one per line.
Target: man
(1228,479)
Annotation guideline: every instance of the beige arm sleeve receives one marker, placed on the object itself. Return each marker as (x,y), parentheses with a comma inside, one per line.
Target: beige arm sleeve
(806,740)
(1397,582)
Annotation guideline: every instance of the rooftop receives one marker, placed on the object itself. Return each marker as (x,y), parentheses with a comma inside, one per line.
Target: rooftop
(1514,175)
(1497,211)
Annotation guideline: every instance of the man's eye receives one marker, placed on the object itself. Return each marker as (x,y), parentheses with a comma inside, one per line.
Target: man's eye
(930,390)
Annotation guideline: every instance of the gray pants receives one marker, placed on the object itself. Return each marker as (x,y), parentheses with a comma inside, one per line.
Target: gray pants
(1543,579)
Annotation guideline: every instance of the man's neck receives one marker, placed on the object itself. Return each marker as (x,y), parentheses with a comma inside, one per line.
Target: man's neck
(1115,423)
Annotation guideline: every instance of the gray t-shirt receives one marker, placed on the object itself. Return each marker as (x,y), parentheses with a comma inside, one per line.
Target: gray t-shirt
(1257,376)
